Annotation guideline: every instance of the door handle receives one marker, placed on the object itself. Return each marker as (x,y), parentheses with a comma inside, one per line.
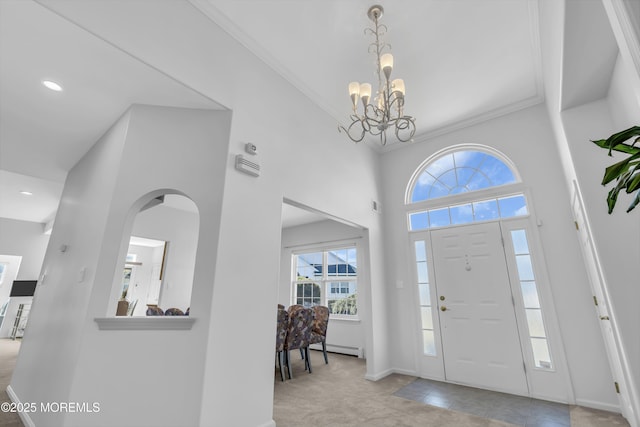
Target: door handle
(604,317)
(443,308)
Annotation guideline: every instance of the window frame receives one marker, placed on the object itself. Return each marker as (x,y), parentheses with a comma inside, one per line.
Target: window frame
(325,280)
(3,271)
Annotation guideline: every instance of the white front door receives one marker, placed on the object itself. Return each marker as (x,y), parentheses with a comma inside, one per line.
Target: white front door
(480,341)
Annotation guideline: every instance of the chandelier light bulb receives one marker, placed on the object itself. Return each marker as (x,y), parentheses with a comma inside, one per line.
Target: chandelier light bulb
(386,64)
(365,92)
(354,92)
(354,89)
(398,86)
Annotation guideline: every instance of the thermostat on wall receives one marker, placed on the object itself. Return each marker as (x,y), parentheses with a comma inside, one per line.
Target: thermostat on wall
(250,148)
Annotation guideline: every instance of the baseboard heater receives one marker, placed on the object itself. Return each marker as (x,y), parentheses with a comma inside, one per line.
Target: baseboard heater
(342,349)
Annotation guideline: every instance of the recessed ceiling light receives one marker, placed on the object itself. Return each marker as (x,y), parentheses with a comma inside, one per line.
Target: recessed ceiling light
(52,85)
(26,193)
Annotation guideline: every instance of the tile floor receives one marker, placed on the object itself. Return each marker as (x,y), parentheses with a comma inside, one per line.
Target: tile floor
(518,410)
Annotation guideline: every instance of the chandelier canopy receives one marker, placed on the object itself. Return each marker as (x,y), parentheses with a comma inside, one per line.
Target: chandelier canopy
(387,108)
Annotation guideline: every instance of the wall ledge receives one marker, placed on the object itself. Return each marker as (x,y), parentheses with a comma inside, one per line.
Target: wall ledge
(151,323)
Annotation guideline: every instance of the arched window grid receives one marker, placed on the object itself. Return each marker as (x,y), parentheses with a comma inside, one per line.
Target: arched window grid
(441,170)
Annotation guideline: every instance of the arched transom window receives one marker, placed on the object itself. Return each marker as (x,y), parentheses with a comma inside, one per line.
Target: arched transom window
(451,178)
(459,172)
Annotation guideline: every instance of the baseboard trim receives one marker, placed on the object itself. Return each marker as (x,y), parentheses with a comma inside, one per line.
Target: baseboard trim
(408,372)
(340,349)
(599,405)
(268,424)
(387,372)
(378,376)
(24,416)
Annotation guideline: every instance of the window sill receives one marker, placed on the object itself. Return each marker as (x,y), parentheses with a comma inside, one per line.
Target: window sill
(345,319)
(151,323)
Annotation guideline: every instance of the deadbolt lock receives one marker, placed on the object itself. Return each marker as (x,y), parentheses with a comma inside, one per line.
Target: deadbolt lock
(441,297)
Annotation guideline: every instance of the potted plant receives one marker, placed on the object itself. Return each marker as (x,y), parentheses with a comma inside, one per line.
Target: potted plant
(626,172)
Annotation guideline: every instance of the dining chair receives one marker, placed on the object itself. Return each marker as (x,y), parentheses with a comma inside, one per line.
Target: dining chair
(281,336)
(298,334)
(319,329)
(154,310)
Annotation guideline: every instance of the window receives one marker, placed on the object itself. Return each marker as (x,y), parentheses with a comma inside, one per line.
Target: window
(329,278)
(460,172)
(3,268)
(424,291)
(484,210)
(532,308)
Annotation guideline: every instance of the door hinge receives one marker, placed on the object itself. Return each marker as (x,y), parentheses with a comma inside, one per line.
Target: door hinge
(513,301)
(577,226)
(524,367)
(617,387)
(595,300)
(502,240)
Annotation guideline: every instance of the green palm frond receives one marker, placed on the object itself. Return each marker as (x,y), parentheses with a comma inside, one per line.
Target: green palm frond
(625,172)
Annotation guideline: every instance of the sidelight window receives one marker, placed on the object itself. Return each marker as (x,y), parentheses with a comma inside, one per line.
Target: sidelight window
(531,300)
(424,292)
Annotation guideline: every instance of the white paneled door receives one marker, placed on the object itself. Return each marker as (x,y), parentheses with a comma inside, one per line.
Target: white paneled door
(480,341)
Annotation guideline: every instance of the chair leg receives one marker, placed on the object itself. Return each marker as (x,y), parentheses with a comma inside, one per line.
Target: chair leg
(324,350)
(307,358)
(281,364)
(287,358)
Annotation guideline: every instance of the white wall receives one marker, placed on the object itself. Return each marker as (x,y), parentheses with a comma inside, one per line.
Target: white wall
(527,139)
(585,163)
(180,229)
(140,278)
(341,333)
(625,110)
(302,158)
(23,245)
(58,315)
(12,265)
(139,377)
(25,239)
(611,233)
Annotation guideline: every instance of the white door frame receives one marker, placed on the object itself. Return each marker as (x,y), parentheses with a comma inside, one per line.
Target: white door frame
(618,363)
(552,384)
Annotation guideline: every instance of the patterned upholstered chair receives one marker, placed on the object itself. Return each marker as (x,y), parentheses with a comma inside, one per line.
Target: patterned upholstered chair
(173,312)
(154,310)
(319,330)
(299,334)
(281,336)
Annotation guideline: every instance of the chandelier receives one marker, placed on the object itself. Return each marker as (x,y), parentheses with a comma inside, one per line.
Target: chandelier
(386,111)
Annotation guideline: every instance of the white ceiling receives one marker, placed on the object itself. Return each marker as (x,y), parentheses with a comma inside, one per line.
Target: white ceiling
(463,61)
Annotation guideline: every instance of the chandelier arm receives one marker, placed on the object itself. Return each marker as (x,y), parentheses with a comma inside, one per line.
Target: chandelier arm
(402,124)
(363,130)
